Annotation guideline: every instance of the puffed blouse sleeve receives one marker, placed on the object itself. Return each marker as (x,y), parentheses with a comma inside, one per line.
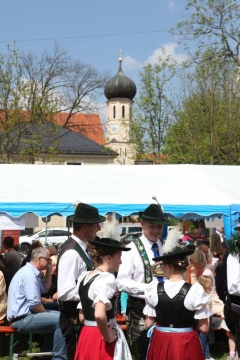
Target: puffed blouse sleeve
(151,298)
(103,289)
(197,300)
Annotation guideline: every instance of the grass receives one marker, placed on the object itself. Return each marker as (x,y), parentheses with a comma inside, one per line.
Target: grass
(218,350)
(21,346)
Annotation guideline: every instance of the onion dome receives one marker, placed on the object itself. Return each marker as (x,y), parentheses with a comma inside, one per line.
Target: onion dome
(120,86)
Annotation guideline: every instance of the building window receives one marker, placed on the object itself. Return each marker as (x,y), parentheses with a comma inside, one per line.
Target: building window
(114,112)
(123,111)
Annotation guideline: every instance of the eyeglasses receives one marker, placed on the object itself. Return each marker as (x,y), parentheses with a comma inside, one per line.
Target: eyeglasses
(47,259)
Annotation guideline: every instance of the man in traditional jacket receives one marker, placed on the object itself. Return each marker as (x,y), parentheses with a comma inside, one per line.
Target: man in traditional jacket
(72,261)
(136,272)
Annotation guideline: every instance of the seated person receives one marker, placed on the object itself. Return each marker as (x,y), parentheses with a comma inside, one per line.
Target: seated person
(34,245)
(3,299)
(49,299)
(25,311)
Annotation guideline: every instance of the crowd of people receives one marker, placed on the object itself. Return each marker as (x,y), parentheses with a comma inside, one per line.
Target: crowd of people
(171,296)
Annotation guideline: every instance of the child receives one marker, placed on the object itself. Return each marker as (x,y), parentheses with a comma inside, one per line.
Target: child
(207,283)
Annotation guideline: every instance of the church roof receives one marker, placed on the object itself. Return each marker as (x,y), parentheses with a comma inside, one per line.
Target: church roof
(66,141)
(120,86)
(88,125)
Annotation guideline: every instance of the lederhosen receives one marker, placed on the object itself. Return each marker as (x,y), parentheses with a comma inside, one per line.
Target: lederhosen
(136,333)
(232,318)
(87,308)
(69,317)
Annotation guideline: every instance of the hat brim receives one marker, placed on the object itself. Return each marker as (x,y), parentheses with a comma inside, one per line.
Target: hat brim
(104,245)
(177,255)
(152,219)
(74,219)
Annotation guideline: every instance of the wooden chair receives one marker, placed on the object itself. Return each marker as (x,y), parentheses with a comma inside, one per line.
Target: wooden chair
(121,321)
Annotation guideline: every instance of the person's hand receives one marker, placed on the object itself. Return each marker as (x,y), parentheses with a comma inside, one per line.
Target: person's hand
(112,335)
(55,296)
(191,274)
(117,293)
(192,270)
(49,265)
(123,312)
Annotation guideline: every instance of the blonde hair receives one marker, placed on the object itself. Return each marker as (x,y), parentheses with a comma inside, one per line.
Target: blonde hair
(206,282)
(198,258)
(54,259)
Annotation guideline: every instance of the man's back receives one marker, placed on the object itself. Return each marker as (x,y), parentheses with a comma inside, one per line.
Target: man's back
(13,261)
(215,243)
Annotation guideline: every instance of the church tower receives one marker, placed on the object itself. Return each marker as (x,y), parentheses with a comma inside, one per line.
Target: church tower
(120,91)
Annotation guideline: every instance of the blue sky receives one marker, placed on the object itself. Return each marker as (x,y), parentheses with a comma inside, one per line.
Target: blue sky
(95,30)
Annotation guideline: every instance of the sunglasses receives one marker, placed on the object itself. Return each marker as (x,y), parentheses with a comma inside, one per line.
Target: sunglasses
(47,259)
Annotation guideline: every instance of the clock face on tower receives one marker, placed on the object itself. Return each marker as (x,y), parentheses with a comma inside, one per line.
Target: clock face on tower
(113,129)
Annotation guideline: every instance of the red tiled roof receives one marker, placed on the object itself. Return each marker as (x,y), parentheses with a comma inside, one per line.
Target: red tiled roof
(88,125)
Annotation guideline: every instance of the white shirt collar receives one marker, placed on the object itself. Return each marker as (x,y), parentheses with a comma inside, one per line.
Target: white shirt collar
(80,242)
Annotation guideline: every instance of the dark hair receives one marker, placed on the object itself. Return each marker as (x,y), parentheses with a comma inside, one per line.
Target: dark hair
(179,265)
(35,244)
(9,241)
(98,253)
(77,226)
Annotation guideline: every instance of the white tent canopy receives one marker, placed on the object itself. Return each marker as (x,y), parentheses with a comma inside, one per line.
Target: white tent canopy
(185,191)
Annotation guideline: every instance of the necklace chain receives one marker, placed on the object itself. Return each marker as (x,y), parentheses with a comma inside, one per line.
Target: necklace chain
(176,277)
(97,268)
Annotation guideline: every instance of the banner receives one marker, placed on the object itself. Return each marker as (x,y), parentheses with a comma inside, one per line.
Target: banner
(8,222)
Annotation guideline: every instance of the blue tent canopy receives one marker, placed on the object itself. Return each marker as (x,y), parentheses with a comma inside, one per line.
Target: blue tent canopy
(184,191)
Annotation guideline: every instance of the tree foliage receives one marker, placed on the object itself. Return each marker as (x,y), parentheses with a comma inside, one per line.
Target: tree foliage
(152,118)
(214,23)
(33,89)
(207,127)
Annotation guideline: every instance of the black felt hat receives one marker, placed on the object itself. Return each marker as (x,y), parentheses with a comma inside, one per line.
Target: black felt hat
(154,214)
(86,214)
(108,243)
(177,253)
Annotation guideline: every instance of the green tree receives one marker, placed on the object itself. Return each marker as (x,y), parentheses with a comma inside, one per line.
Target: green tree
(33,89)
(152,115)
(212,23)
(12,87)
(207,127)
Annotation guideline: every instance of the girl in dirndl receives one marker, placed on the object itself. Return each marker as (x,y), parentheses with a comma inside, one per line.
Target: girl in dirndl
(101,338)
(175,310)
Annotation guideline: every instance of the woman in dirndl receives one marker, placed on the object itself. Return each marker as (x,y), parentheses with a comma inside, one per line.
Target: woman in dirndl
(101,338)
(175,310)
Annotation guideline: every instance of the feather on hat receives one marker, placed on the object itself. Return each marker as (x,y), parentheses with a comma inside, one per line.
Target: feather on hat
(171,248)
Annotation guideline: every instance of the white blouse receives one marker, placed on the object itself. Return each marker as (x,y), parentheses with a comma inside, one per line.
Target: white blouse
(102,288)
(195,300)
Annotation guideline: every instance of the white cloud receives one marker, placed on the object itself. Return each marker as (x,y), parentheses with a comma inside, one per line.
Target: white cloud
(132,64)
(171,4)
(102,111)
(170,49)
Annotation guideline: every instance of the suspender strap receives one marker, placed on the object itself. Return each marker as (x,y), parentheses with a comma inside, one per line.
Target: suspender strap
(145,260)
(184,289)
(84,257)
